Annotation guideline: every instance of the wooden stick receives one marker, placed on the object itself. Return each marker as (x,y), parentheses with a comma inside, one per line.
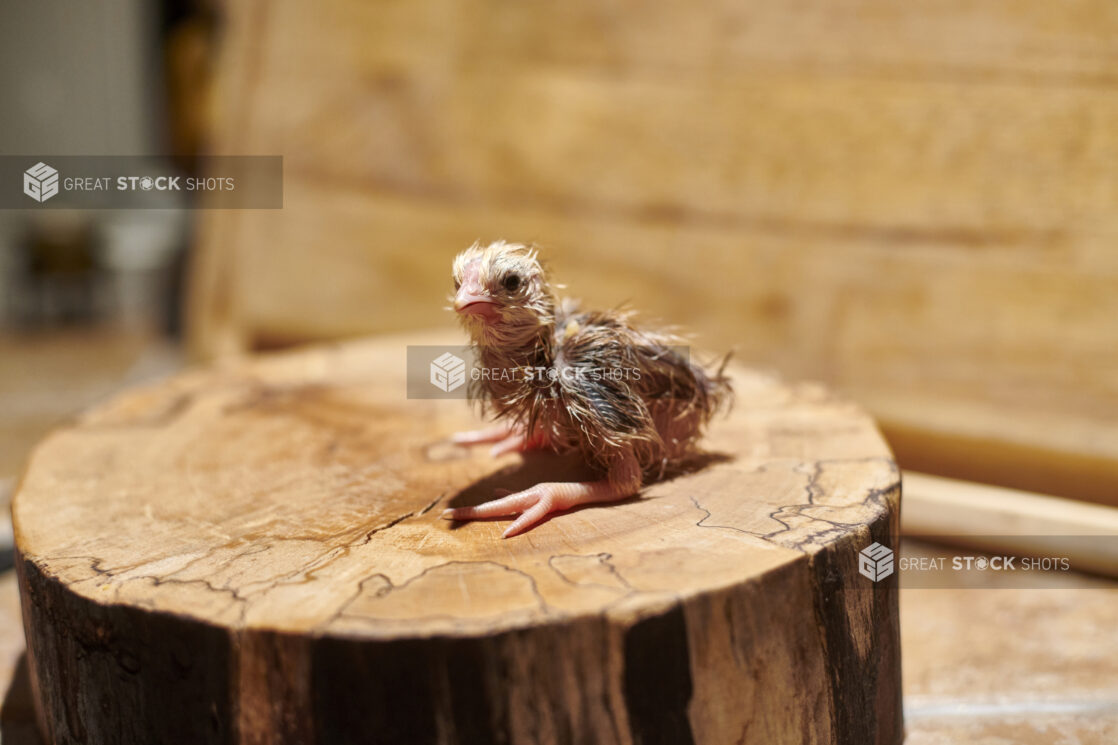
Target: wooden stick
(997,519)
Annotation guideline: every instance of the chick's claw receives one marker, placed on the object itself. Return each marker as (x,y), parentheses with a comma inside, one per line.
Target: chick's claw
(535,503)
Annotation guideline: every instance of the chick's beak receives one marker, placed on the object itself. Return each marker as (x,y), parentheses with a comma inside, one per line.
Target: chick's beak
(470,301)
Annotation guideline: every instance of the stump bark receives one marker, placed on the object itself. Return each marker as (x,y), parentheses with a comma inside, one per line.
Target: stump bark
(254,554)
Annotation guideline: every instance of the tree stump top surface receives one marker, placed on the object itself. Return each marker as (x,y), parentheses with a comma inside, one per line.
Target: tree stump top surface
(301,492)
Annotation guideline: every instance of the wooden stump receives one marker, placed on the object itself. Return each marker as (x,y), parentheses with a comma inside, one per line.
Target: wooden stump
(254,554)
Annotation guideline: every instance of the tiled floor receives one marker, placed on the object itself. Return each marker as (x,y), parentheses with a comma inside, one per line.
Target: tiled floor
(1069,729)
(1036,663)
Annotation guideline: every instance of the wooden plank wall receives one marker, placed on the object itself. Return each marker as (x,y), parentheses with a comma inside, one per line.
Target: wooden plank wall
(915,202)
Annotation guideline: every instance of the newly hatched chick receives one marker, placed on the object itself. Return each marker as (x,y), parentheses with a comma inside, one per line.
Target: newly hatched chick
(627,399)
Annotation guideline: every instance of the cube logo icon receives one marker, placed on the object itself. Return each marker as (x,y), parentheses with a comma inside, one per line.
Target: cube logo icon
(40,182)
(875,562)
(448,372)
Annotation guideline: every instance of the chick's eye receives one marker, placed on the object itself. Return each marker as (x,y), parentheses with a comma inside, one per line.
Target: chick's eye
(457,283)
(512,282)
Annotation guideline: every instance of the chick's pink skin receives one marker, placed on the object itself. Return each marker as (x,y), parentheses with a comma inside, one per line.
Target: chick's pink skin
(536,503)
(472,298)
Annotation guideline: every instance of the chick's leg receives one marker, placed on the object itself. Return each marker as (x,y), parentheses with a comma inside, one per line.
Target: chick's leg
(535,503)
(481,436)
(519,442)
(507,439)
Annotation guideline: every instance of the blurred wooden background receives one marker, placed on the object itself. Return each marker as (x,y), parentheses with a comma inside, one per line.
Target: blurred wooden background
(913,202)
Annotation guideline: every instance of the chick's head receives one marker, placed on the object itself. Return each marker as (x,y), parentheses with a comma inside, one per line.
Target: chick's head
(500,288)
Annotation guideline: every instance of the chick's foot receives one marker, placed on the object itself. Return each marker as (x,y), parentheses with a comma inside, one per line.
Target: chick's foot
(535,503)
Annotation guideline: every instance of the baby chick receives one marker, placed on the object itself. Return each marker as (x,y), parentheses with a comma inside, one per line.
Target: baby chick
(627,399)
